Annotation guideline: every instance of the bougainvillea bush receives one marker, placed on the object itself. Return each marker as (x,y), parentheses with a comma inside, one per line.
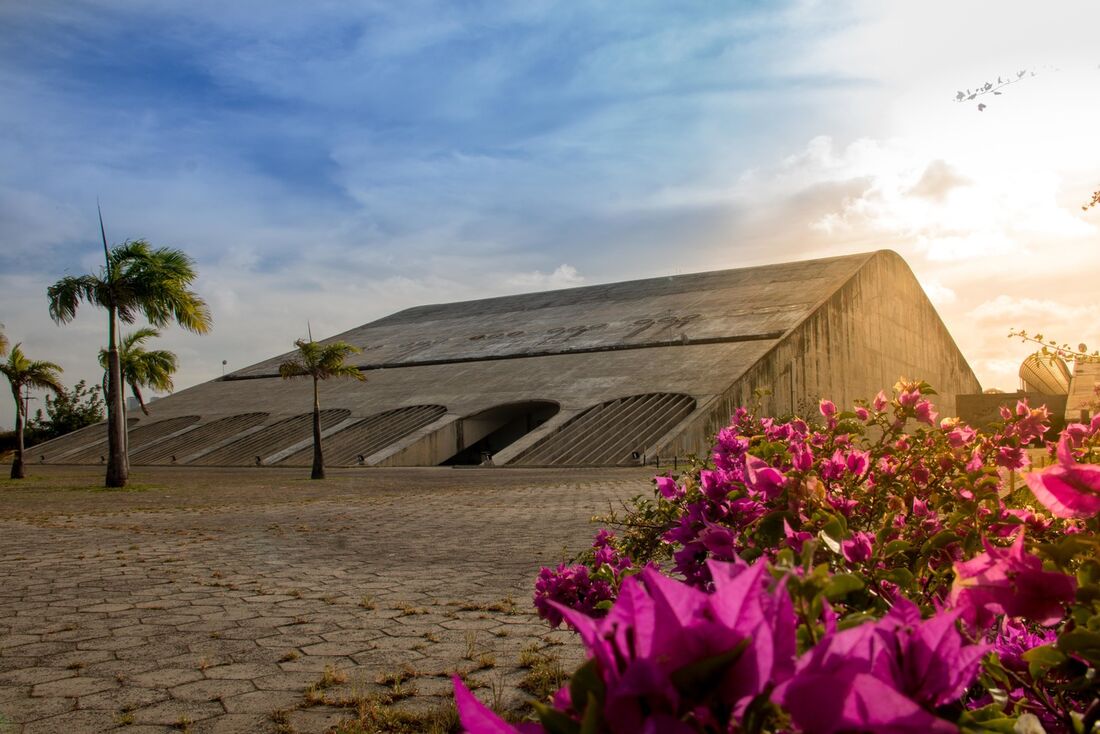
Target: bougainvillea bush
(871,570)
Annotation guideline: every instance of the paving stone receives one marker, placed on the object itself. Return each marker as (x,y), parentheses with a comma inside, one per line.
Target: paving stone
(30,709)
(166,678)
(73,687)
(234,723)
(262,701)
(216,585)
(241,671)
(126,697)
(171,713)
(75,721)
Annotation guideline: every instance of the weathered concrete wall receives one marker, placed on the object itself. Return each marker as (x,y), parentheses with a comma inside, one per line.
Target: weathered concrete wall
(877,327)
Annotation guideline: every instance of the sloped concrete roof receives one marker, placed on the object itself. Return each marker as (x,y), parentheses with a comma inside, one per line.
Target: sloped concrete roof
(640,367)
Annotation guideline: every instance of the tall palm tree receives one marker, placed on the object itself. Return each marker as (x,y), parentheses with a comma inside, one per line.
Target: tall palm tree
(137,278)
(23,374)
(320,361)
(151,369)
(3,342)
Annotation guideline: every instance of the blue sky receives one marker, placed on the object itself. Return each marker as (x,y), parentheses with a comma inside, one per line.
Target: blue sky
(341,161)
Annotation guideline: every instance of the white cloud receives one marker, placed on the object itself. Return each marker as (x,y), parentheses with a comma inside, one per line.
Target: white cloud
(564,276)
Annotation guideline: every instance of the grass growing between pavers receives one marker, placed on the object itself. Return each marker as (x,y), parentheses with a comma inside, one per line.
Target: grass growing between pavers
(285,586)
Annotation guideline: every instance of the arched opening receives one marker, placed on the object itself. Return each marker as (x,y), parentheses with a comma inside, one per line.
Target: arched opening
(483,434)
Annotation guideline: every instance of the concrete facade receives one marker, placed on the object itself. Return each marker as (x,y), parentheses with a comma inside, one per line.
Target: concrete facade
(598,375)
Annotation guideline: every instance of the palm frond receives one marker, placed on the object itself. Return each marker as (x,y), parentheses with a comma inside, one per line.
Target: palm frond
(321,361)
(293,368)
(22,372)
(68,293)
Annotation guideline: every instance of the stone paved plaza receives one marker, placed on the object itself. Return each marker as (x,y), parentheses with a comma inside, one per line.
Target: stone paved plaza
(254,600)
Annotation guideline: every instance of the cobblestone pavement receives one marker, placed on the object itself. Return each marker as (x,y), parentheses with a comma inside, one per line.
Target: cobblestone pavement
(256,601)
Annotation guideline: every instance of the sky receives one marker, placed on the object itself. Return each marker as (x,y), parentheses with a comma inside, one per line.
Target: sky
(332,163)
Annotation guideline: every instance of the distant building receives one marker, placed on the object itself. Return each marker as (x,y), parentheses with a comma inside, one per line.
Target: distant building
(599,375)
(1045,379)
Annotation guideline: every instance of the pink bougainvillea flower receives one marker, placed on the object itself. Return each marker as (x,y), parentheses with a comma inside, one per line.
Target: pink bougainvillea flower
(858,462)
(1068,489)
(925,412)
(880,401)
(1012,457)
(1009,581)
(857,549)
(477,718)
(885,676)
(571,586)
(827,408)
(763,478)
(668,488)
(659,626)
(795,539)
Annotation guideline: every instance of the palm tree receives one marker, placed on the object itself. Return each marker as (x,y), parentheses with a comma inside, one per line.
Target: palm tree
(320,361)
(3,342)
(137,278)
(22,373)
(141,367)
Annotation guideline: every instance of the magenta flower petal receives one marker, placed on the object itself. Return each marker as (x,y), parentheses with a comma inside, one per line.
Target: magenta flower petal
(1068,489)
(1010,581)
(851,701)
(475,716)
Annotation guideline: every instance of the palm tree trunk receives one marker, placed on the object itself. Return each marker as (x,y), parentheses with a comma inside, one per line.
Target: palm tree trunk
(318,460)
(118,465)
(17,469)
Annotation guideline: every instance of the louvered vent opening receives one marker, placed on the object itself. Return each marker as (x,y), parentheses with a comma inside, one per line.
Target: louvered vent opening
(370,435)
(137,437)
(59,448)
(271,440)
(610,433)
(179,447)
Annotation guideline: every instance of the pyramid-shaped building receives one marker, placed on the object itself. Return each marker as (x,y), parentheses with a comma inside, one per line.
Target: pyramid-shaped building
(615,374)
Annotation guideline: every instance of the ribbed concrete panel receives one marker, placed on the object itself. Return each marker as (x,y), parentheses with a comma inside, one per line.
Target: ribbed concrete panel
(609,433)
(192,441)
(369,435)
(70,442)
(270,440)
(137,437)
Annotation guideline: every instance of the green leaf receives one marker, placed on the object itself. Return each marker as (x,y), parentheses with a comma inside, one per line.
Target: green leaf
(843,584)
(592,720)
(836,528)
(554,721)
(901,576)
(586,683)
(605,604)
(1042,659)
(986,719)
(695,678)
(854,620)
(1082,642)
(939,540)
(896,546)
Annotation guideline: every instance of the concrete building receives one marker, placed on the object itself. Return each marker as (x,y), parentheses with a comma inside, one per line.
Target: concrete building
(598,375)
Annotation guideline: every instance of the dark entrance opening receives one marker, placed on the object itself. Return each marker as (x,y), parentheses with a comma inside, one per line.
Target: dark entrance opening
(485,433)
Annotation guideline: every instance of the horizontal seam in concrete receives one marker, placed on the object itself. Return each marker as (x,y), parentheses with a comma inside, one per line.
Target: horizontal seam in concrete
(547,353)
